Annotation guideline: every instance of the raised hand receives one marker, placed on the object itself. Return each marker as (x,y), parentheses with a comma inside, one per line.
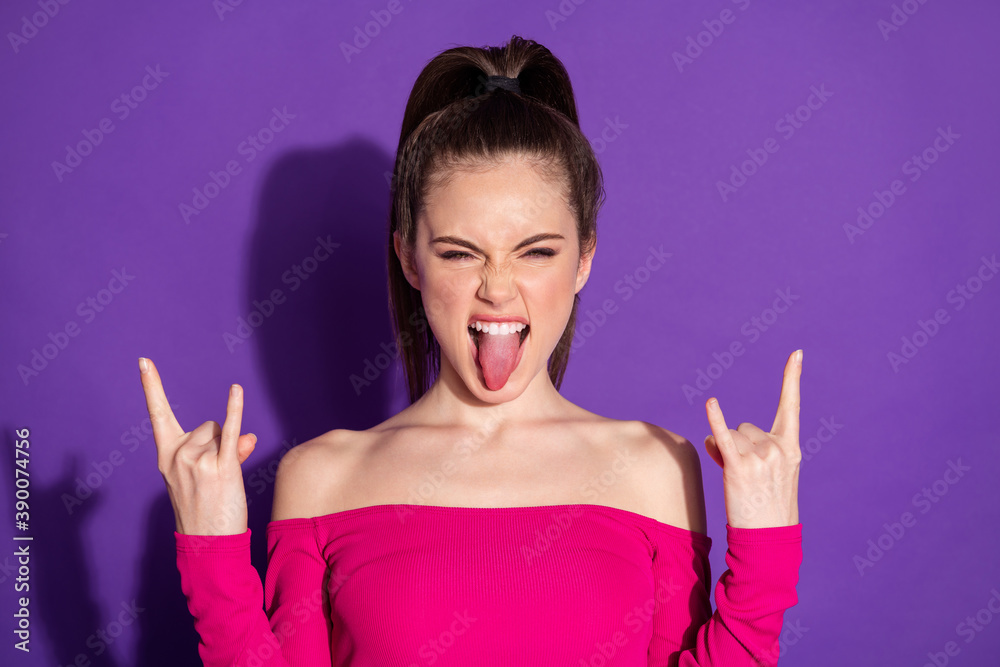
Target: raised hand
(760,471)
(201,467)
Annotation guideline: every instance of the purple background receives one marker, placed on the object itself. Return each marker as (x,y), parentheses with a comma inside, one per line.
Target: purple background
(680,130)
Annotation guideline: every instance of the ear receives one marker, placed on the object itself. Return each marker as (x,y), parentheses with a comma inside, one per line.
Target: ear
(406,261)
(583,272)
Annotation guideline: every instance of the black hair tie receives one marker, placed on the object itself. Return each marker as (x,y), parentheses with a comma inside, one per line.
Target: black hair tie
(505,82)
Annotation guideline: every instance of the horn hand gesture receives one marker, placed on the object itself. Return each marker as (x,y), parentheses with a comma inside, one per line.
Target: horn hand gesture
(201,467)
(760,471)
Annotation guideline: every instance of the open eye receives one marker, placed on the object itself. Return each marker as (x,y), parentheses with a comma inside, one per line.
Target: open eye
(541,252)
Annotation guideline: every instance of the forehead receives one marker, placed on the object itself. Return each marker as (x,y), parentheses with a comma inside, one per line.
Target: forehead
(507,201)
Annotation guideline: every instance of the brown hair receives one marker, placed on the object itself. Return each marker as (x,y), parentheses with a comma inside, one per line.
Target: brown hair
(452,121)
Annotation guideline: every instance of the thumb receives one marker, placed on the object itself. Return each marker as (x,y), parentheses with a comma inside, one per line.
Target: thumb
(713,450)
(245,446)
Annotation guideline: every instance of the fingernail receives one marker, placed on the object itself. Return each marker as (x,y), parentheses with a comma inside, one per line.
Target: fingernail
(143,365)
(713,404)
(798,356)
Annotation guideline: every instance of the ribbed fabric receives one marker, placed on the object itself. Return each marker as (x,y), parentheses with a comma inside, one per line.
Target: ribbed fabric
(413,585)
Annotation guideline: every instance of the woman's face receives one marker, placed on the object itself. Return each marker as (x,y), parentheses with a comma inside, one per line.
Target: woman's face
(492,246)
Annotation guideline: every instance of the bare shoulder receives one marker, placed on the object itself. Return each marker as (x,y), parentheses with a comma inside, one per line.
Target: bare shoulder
(310,475)
(670,475)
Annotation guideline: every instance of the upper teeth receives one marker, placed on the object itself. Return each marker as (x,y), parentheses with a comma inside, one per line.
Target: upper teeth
(494,328)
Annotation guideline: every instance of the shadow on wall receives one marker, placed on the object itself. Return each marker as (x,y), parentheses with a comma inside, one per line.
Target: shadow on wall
(61,590)
(320,238)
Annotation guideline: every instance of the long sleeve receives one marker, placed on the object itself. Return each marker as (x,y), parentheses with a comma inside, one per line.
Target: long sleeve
(226,599)
(751,598)
(296,592)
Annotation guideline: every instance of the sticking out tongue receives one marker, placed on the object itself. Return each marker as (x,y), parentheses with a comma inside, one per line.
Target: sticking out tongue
(498,356)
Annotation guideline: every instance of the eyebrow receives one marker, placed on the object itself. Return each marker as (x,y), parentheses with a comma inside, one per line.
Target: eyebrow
(457,240)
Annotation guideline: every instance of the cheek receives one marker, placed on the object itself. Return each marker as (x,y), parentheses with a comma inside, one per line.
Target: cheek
(549,296)
(446,292)
(552,282)
(547,288)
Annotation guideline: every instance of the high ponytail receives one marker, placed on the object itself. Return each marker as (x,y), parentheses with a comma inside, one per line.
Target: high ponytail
(452,120)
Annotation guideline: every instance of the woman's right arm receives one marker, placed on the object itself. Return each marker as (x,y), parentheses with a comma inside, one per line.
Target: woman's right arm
(202,472)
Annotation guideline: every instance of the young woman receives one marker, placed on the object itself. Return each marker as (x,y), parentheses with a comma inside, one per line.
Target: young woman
(491,522)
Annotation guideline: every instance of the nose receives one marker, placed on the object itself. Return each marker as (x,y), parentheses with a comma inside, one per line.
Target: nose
(497,286)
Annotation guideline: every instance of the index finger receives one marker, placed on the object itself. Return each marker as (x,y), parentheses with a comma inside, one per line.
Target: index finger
(786,422)
(165,426)
(231,427)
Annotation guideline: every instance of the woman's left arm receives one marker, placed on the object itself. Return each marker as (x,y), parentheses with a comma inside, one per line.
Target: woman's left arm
(760,477)
(760,471)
